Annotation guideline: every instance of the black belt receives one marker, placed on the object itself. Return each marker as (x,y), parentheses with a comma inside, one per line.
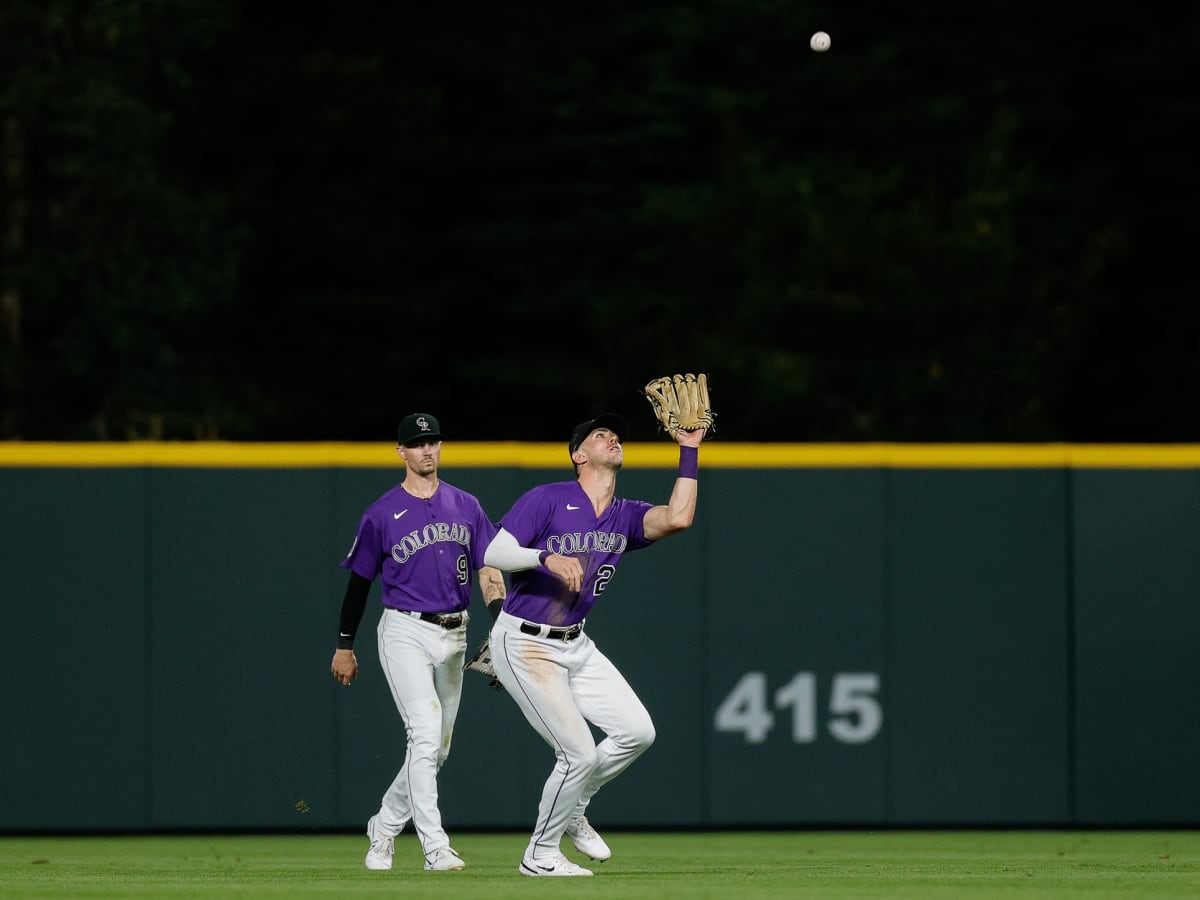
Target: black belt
(445,620)
(557,634)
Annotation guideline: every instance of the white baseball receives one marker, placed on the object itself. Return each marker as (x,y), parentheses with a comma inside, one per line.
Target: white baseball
(819,42)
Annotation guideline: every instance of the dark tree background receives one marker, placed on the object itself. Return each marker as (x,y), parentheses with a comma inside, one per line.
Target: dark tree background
(965,222)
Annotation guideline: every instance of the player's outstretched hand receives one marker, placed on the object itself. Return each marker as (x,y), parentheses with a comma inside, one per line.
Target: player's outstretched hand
(344,666)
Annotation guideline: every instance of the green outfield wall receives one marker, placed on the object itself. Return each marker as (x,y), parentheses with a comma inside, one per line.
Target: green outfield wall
(867,635)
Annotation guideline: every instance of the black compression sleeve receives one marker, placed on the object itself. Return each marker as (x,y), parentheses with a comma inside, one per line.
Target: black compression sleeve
(353,605)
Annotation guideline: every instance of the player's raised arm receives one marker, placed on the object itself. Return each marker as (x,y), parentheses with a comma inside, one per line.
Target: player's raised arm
(680,510)
(684,411)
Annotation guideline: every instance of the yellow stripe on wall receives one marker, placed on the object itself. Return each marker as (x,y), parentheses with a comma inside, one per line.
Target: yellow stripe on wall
(515,454)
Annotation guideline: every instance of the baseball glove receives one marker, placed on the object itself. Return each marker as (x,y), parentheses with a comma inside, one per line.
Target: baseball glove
(681,402)
(482,662)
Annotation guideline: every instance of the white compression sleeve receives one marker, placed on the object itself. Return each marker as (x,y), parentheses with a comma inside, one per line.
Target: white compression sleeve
(506,554)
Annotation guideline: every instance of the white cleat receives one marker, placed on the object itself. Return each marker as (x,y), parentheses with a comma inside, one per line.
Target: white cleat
(586,840)
(379,857)
(444,859)
(557,865)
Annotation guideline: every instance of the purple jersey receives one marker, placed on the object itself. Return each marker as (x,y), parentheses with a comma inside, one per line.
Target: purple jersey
(558,517)
(425,550)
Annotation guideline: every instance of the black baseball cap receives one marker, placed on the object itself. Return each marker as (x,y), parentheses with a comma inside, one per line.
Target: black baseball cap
(419,427)
(611,421)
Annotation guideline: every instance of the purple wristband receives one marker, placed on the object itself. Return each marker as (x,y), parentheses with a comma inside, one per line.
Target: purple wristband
(542,557)
(689,462)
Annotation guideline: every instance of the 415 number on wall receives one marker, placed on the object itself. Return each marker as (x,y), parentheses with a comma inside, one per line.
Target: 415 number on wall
(853,714)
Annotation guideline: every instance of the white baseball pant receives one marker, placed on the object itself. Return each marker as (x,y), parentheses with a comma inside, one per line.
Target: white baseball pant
(561,686)
(423,664)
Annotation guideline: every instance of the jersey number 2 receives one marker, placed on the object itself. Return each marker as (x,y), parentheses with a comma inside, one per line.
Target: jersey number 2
(604,575)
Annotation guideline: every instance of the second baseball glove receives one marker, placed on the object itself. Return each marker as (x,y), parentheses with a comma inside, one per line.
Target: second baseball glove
(681,402)
(482,662)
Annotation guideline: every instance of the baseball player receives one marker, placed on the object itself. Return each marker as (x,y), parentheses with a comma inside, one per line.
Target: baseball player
(423,538)
(563,542)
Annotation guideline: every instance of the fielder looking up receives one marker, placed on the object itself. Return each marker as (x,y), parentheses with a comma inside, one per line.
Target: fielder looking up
(422,539)
(563,542)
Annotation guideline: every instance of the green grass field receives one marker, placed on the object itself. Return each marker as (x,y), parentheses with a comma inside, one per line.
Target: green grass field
(903,864)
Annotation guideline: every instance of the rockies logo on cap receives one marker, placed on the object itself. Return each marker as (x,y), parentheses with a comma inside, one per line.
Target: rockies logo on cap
(419,426)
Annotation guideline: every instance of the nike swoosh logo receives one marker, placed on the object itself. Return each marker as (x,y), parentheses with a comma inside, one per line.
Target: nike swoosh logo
(399,514)
(569,506)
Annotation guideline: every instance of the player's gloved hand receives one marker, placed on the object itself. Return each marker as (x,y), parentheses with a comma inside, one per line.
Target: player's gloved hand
(482,662)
